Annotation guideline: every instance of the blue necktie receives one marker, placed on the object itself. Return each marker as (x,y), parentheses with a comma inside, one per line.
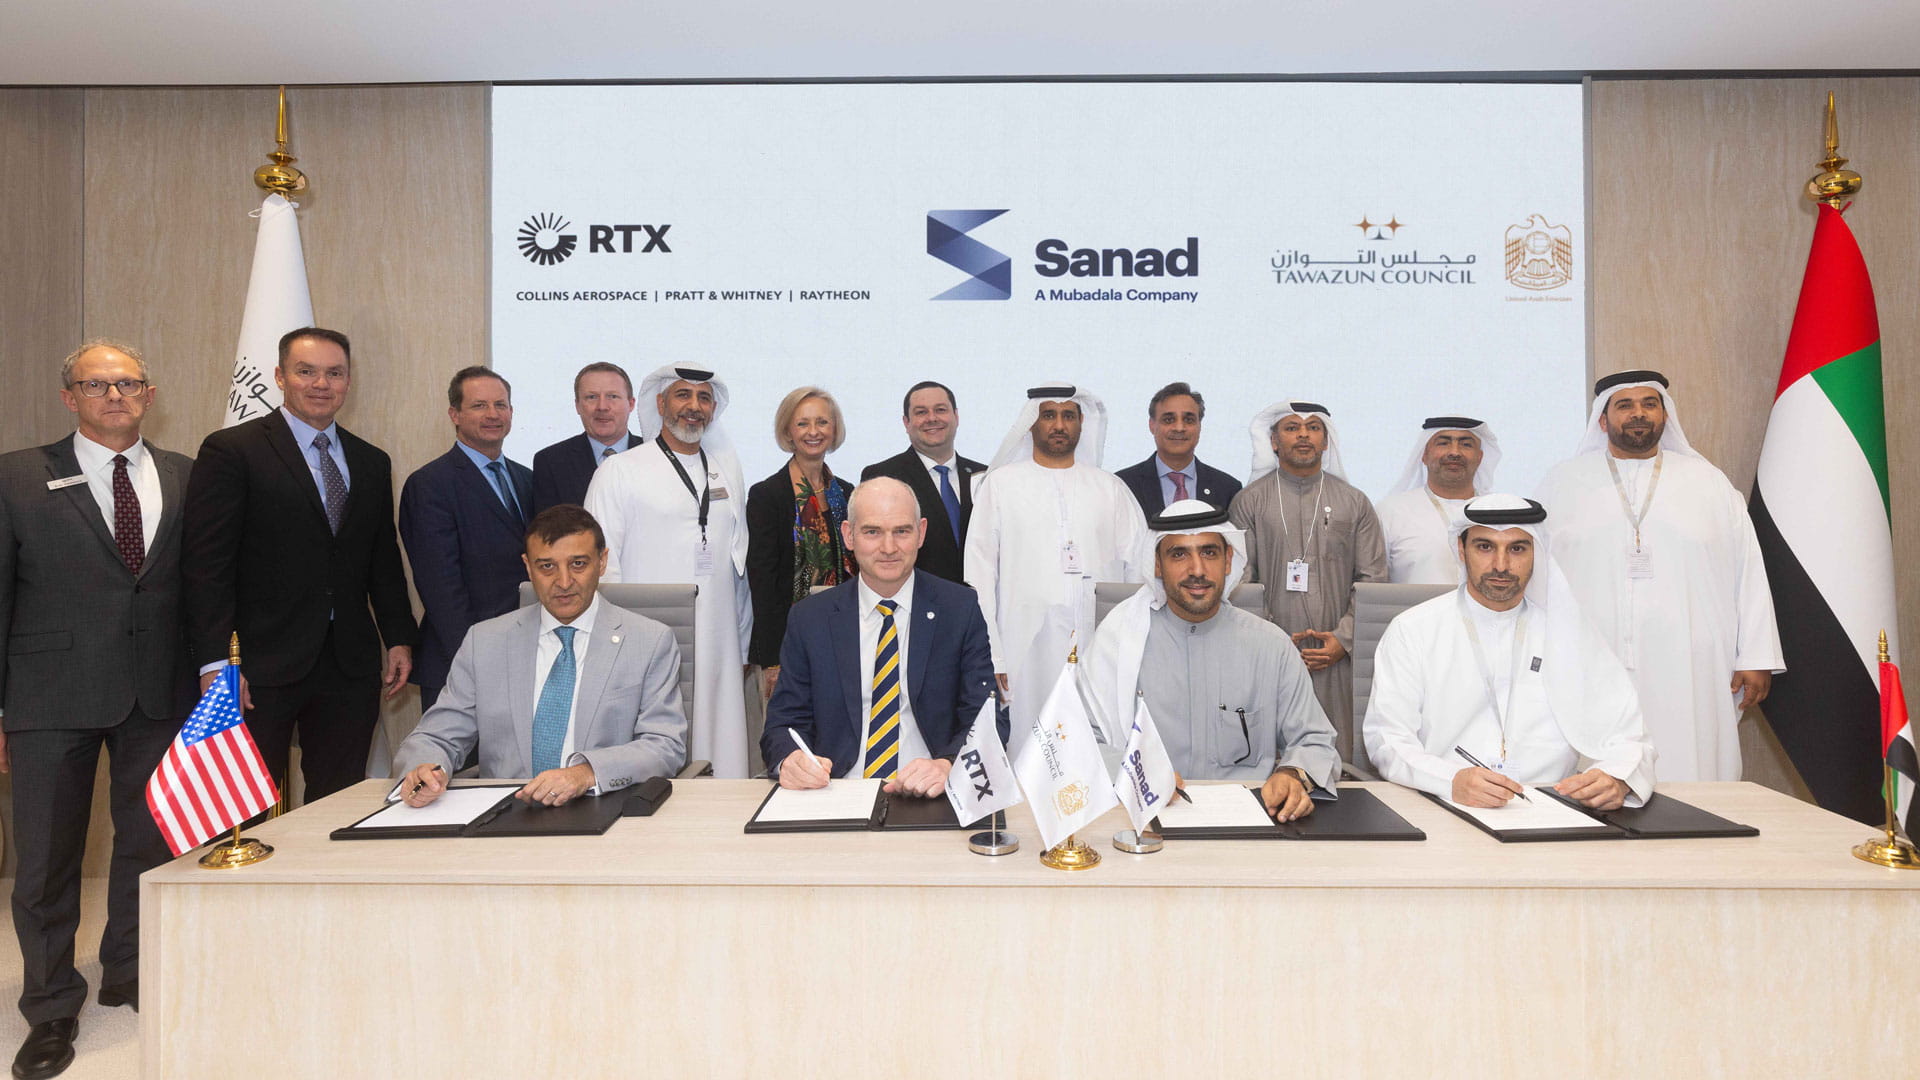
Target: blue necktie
(331,482)
(556,706)
(883,717)
(951,500)
(499,472)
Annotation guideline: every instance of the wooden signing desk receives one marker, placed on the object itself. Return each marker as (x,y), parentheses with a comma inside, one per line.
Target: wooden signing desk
(677,946)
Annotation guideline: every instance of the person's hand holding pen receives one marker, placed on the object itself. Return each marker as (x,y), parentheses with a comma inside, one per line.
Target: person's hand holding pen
(800,770)
(1483,787)
(423,785)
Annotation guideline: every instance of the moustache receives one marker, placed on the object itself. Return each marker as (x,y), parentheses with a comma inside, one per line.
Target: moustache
(1188,583)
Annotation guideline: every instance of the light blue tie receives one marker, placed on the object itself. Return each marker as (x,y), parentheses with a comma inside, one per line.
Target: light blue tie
(556,705)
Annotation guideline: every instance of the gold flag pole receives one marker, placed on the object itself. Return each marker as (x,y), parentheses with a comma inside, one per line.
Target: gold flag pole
(1071,853)
(1892,850)
(237,851)
(279,176)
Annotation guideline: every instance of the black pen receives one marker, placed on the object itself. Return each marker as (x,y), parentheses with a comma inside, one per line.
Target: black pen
(1182,792)
(422,782)
(1476,763)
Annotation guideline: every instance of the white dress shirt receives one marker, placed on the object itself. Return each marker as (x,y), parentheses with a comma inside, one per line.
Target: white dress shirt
(547,651)
(912,745)
(96,463)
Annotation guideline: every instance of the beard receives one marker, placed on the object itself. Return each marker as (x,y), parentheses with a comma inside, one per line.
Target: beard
(685,432)
(1203,606)
(1498,592)
(1634,438)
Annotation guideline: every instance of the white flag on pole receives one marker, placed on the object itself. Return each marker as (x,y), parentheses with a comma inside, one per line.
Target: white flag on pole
(1060,767)
(277,301)
(981,781)
(1145,780)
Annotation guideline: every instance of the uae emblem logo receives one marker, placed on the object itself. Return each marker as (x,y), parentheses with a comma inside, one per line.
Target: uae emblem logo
(1071,799)
(1539,255)
(541,240)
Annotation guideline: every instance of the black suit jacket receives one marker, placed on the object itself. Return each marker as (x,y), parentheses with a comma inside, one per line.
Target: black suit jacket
(1216,488)
(949,673)
(464,546)
(260,560)
(82,638)
(770,561)
(561,472)
(940,554)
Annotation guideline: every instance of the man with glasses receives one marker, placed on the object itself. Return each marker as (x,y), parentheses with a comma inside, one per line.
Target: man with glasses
(290,543)
(1231,698)
(92,654)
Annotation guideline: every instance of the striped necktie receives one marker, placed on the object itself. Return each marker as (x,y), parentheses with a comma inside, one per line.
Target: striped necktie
(883,717)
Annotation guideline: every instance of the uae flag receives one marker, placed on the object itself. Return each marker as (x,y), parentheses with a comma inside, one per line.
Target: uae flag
(1820,506)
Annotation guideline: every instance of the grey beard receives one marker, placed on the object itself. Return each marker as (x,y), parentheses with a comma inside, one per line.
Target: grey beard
(686,434)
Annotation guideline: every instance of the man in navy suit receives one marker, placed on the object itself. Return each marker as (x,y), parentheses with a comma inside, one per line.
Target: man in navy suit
(603,396)
(463,519)
(1173,473)
(883,675)
(940,478)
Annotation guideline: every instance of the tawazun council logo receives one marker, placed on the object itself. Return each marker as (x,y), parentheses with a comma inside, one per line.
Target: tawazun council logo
(542,241)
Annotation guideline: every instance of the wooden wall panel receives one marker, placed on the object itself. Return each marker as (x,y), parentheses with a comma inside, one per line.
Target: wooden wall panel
(1700,237)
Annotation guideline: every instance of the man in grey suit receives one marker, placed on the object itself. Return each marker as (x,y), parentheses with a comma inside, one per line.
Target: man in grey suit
(93,653)
(513,687)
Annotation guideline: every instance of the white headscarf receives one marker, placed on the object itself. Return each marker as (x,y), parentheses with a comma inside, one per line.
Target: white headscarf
(1261,430)
(1415,474)
(1578,666)
(1018,445)
(714,440)
(1672,438)
(1112,663)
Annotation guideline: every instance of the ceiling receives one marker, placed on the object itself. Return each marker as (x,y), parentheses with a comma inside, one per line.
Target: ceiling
(178,42)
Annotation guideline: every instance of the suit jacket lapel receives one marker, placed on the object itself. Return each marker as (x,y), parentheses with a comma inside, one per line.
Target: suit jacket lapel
(280,437)
(843,630)
(62,462)
(928,492)
(523,685)
(920,637)
(173,492)
(605,645)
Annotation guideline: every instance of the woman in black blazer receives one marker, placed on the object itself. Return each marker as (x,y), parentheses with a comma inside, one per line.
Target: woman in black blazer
(793,523)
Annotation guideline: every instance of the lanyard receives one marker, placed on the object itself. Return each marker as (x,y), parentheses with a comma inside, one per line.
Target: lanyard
(1500,713)
(704,496)
(1285,533)
(1620,489)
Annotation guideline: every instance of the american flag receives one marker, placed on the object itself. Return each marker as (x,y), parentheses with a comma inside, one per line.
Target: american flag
(212,777)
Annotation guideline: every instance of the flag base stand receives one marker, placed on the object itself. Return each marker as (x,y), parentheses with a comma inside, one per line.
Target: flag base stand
(1896,852)
(234,852)
(1143,843)
(993,842)
(1070,854)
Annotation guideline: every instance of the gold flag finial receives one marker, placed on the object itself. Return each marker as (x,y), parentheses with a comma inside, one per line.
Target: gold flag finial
(1835,184)
(233,648)
(279,175)
(1883,647)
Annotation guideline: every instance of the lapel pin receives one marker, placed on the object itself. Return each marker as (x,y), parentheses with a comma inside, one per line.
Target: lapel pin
(929,614)
(615,639)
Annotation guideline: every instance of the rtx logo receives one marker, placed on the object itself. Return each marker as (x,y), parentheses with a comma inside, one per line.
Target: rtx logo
(989,273)
(543,239)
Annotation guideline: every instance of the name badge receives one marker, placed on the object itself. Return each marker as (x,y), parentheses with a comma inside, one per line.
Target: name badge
(1070,558)
(1639,564)
(703,560)
(1297,576)
(715,494)
(66,482)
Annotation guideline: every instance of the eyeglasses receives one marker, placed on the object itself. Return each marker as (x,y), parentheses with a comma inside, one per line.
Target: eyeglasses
(1245,736)
(98,387)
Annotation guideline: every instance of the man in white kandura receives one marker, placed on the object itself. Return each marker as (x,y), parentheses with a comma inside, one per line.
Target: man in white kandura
(1453,461)
(1047,524)
(1663,556)
(1507,669)
(1228,693)
(673,512)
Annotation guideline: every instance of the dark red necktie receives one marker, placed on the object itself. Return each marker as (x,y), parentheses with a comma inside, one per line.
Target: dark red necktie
(128,534)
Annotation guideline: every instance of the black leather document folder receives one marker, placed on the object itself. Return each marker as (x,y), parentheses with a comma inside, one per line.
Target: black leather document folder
(871,820)
(1667,818)
(367,828)
(1356,815)
(588,815)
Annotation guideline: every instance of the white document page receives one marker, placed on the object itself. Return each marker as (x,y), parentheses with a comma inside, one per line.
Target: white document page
(1537,811)
(840,800)
(1216,806)
(455,806)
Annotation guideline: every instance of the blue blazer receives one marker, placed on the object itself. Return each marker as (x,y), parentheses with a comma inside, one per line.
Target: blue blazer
(1143,479)
(949,673)
(561,472)
(465,548)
